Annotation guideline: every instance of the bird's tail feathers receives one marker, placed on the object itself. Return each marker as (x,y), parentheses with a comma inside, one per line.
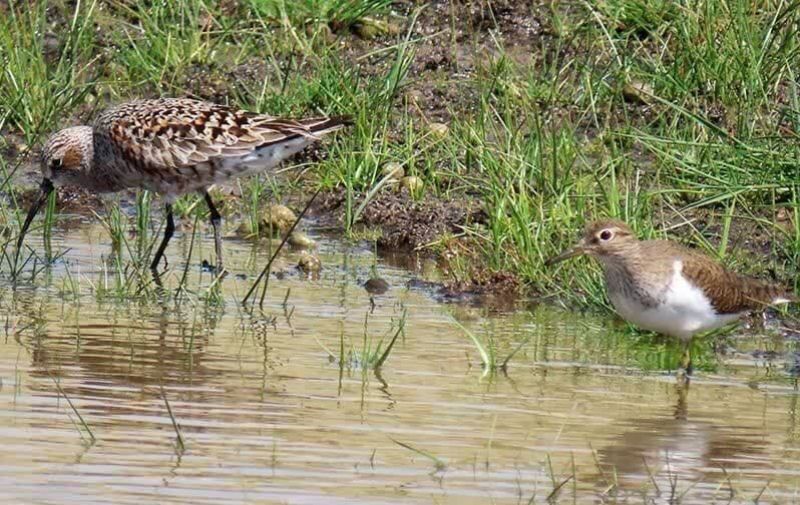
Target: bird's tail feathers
(769,294)
(322,125)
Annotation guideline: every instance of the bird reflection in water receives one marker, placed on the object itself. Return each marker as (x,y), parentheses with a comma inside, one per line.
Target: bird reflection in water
(676,453)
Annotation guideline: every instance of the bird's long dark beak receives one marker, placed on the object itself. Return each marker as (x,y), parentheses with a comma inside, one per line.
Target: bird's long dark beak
(45,189)
(576,250)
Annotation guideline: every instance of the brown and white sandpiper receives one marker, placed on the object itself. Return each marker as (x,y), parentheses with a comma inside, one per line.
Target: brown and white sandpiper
(663,286)
(172,146)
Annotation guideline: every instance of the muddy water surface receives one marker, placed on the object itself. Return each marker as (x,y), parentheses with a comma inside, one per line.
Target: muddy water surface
(268,414)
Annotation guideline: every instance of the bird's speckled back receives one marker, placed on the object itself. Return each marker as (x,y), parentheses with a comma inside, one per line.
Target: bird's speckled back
(177,145)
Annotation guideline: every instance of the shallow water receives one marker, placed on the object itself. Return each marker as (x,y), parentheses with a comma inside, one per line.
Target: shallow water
(268,415)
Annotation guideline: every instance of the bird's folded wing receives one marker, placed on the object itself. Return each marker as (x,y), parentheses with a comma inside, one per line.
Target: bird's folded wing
(169,134)
(729,292)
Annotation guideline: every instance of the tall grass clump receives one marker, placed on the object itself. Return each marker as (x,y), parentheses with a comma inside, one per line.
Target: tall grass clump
(159,42)
(356,162)
(46,71)
(724,91)
(561,140)
(539,177)
(731,52)
(337,14)
(721,79)
(306,78)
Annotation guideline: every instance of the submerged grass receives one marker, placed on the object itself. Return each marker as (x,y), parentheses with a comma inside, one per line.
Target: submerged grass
(373,352)
(179,441)
(83,426)
(487,350)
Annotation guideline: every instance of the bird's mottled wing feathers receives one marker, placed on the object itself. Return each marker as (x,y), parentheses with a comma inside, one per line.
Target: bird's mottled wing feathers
(173,133)
(729,292)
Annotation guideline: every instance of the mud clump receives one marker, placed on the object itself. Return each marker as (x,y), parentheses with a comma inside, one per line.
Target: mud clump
(500,297)
(299,240)
(464,264)
(406,224)
(484,281)
(310,265)
(376,286)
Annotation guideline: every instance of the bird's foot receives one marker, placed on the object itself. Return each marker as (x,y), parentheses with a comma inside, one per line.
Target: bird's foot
(157,278)
(686,360)
(683,376)
(218,270)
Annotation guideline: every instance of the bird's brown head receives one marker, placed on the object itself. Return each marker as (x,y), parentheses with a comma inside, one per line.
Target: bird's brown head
(66,159)
(604,240)
(67,155)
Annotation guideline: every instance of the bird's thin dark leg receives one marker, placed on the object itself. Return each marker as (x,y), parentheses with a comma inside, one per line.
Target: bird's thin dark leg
(686,358)
(169,230)
(216,224)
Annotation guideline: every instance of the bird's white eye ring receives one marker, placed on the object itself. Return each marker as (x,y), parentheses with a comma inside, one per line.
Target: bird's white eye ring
(56,164)
(606,235)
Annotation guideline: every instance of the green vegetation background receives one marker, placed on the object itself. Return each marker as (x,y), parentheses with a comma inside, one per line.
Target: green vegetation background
(679,117)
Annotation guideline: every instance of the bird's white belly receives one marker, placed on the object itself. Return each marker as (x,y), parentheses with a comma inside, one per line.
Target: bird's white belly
(684,310)
(263,158)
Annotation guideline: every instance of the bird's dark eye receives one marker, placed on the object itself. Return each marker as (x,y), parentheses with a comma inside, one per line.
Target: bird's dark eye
(606,235)
(55,164)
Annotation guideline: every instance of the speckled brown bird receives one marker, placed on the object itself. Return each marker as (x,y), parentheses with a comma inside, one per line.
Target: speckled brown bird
(172,146)
(665,287)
